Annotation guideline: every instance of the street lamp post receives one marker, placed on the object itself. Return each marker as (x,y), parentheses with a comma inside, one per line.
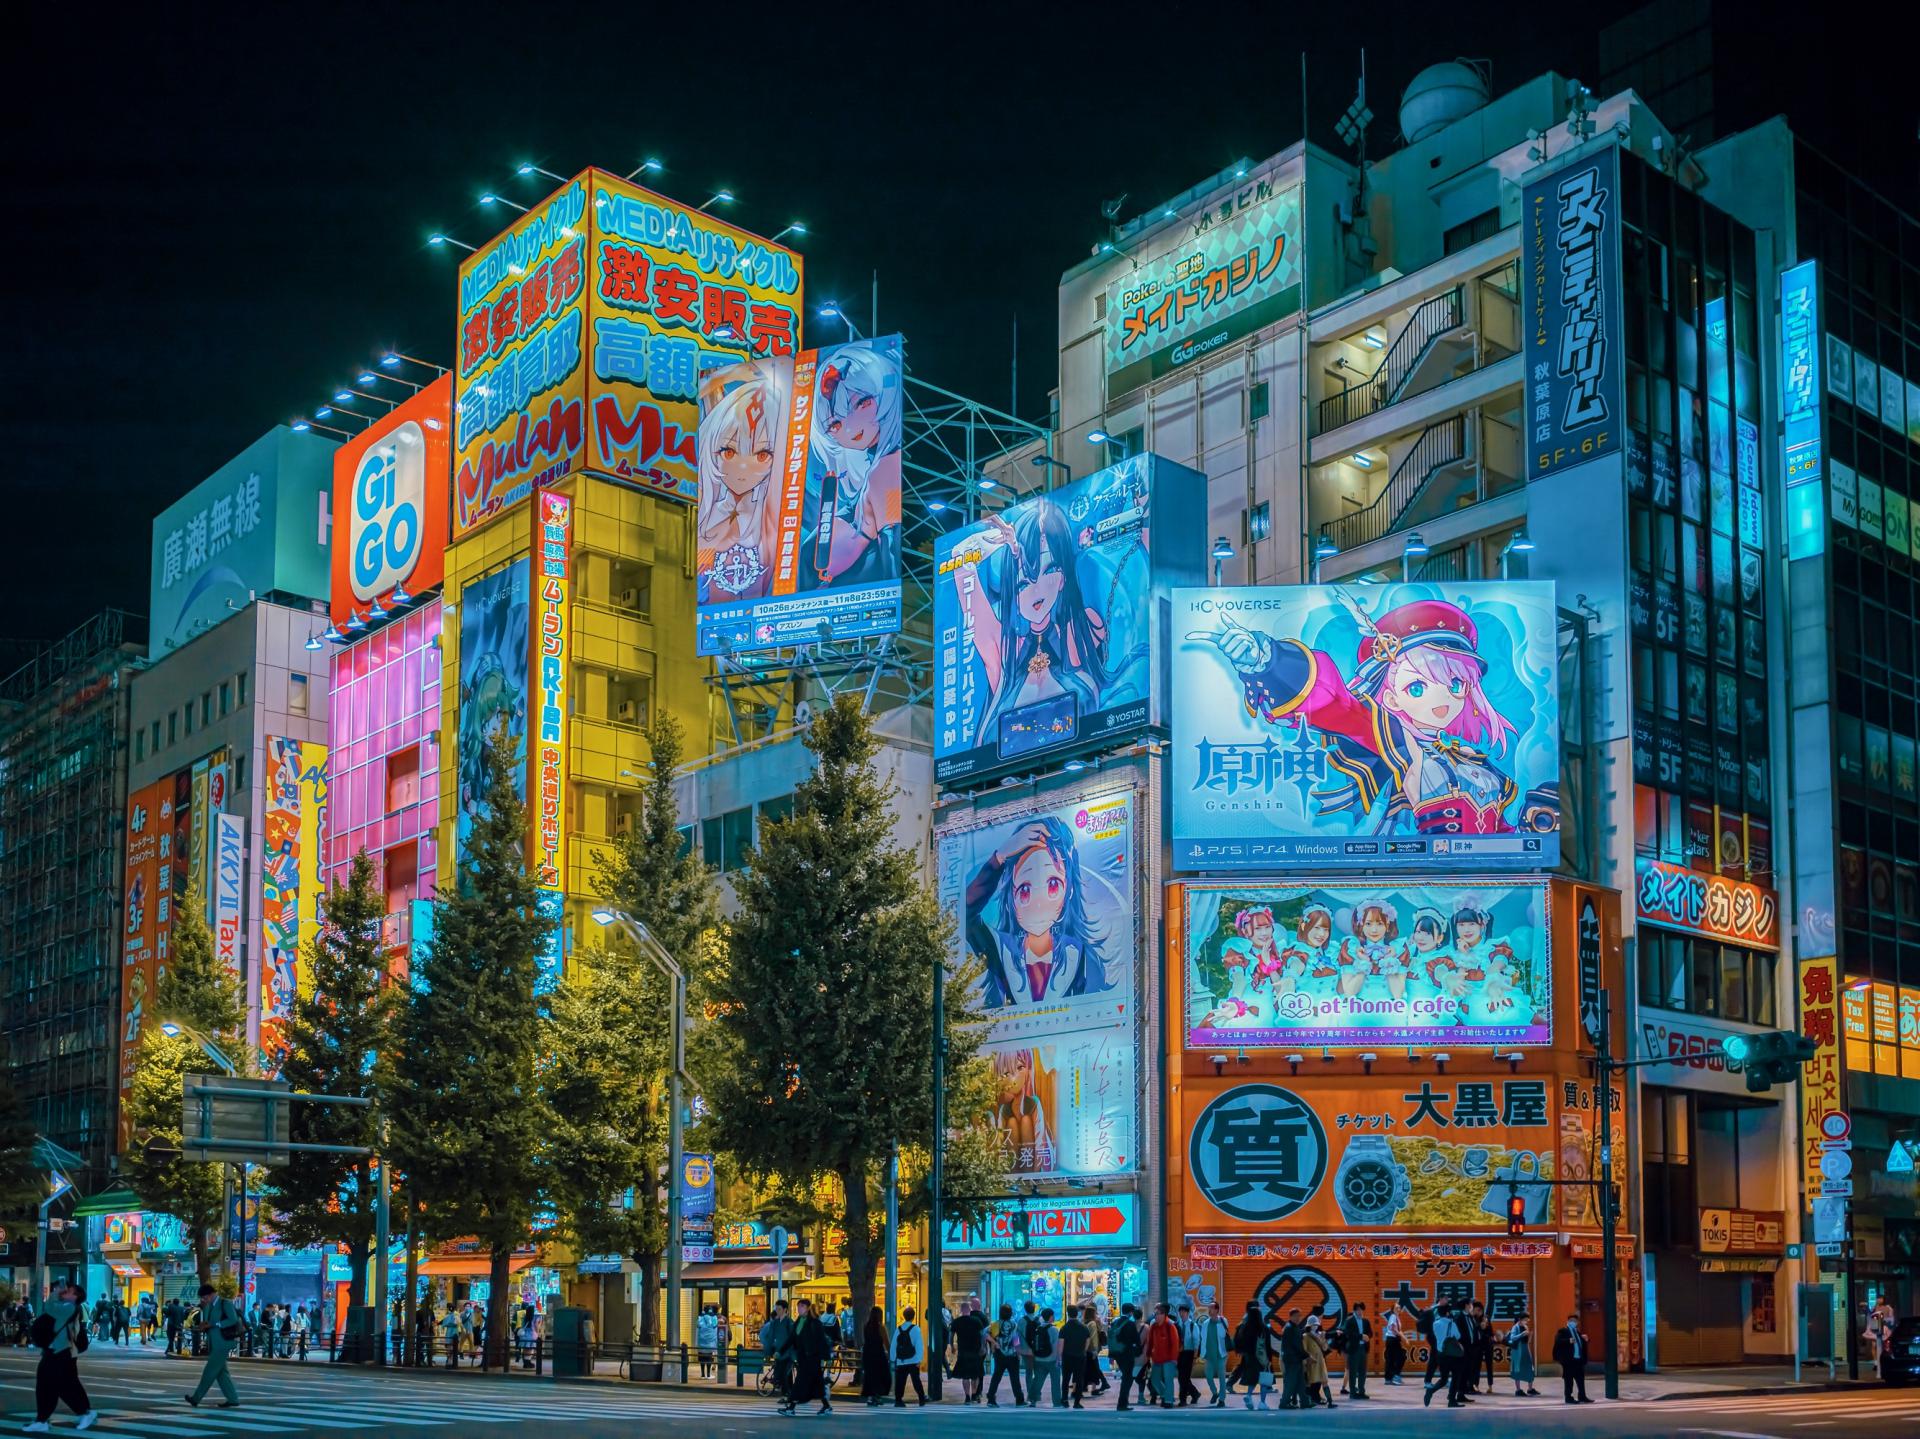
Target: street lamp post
(1221,552)
(656,952)
(1414,549)
(1519,543)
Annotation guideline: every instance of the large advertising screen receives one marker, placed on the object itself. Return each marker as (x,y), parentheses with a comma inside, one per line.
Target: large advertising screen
(1572,301)
(495,646)
(799,522)
(1044,899)
(292,845)
(1232,266)
(1366,726)
(390,503)
(1334,963)
(1046,616)
(145,915)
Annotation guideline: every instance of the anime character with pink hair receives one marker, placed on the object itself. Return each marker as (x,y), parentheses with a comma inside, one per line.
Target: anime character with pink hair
(1412,723)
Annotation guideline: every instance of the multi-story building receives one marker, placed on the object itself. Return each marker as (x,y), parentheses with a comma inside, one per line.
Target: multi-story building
(63,803)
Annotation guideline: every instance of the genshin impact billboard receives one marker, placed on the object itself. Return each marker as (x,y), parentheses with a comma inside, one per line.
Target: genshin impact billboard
(800,498)
(1045,616)
(1366,726)
(1345,963)
(1043,897)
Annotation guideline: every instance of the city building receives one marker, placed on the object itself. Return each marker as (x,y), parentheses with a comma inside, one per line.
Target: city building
(63,805)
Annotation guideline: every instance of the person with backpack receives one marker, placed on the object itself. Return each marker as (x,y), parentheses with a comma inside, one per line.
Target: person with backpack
(776,1348)
(909,1349)
(1123,1345)
(60,1334)
(1004,1337)
(174,1317)
(1075,1335)
(1252,1345)
(1216,1342)
(220,1322)
(1163,1353)
(1043,1358)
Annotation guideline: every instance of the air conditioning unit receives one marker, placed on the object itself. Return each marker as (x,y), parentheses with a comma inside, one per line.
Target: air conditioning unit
(627,711)
(630,598)
(623,826)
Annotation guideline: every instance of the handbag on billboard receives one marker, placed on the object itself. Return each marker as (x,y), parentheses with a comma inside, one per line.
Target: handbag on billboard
(1514,1179)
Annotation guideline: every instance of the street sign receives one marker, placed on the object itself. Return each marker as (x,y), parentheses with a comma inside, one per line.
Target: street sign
(1836,1164)
(1830,1248)
(696,1254)
(1793,1251)
(777,1241)
(1835,1125)
(1831,1146)
(1900,1157)
(1836,1189)
(228,1120)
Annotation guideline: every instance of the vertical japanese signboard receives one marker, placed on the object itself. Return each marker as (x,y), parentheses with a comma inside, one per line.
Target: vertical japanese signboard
(293,837)
(229,910)
(1802,451)
(145,914)
(1822,1078)
(1571,313)
(552,550)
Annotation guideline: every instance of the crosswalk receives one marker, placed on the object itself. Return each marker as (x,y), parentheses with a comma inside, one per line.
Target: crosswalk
(1854,1413)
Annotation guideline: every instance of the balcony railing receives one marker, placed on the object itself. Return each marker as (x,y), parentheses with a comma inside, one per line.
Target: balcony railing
(1433,319)
(1441,444)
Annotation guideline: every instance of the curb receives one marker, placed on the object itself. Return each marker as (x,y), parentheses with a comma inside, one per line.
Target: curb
(1765,1391)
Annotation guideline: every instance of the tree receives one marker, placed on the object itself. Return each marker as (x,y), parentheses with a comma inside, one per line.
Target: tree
(817,1057)
(337,1030)
(468,1122)
(613,1038)
(22,1183)
(197,993)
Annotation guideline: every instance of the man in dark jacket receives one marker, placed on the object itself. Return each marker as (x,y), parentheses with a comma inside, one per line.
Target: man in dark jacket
(1466,1368)
(1073,1355)
(1355,1335)
(1484,1358)
(812,1346)
(174,1316)
(776,1344)
(1250,1349)
(1293,1364)
(1123,1343)
(1570,1353)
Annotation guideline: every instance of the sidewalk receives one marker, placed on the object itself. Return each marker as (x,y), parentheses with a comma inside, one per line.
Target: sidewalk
(1733,1381)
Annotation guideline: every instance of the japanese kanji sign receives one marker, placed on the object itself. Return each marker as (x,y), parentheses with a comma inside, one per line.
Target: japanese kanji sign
(1231,267)
(583,333)
(547,671)
(1257,1152)
(1822,1078)
(1571,308)
(1713,905)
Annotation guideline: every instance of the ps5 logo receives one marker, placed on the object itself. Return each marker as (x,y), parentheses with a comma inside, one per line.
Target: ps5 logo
(389,511)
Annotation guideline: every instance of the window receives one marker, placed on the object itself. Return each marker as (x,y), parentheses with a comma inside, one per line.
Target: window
(1471,232)
(186,718)
(173,726)
(226,697)
(1259,519)
(206,709)
(776,809)
(1733,984)
(296,694)
(1259,402)
(139,745)
(1131,442)
(403,778)
(154,743)
(244,678)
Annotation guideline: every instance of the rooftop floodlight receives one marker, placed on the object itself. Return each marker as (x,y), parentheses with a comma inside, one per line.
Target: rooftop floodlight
(340,397)
(400,596)
(389,360)
(313,642)
(354,623)
(439,238)
(796,228)
(376,610)
(1415,546)
(332,632)
(645,165)
(490,198)
(300,427)
(721,196)
(323,412)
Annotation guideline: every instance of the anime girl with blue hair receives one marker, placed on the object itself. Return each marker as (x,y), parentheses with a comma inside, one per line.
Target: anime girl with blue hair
(1027,919)
(852,529)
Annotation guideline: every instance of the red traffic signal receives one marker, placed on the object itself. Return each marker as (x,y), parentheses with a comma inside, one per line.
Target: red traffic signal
(1516,1215)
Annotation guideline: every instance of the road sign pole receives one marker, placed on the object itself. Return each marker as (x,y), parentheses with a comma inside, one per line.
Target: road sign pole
(1610,1256)
(1853,1303)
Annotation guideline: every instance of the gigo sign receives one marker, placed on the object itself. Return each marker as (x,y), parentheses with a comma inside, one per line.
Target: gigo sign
(390,504)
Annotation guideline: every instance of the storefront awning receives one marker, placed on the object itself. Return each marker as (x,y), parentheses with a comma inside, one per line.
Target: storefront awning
(741,1271)
(112,1201)
(471,1266)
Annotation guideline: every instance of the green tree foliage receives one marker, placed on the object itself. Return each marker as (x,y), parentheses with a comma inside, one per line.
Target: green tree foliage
(607,1080)
(196,992)
(817,1055)
(22,1185)
(468,1121)
(337,1030)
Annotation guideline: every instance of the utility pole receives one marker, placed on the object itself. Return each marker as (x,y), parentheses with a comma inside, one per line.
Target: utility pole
(1609,1249)
(381,1240)
(893,1235)
(936,1221)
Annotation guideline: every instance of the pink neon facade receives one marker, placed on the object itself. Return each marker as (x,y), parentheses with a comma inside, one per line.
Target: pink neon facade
(385,764)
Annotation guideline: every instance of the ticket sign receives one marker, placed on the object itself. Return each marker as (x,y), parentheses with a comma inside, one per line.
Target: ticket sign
(1103,1222)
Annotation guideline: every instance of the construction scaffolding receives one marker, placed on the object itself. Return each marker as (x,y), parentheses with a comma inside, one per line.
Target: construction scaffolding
(63,768)
(950,448)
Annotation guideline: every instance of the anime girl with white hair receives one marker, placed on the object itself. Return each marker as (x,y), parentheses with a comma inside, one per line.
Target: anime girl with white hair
(742,422)
(851,534)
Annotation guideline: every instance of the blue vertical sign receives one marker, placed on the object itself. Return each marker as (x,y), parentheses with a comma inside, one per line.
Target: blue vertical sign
(1802,450)
(1571,295)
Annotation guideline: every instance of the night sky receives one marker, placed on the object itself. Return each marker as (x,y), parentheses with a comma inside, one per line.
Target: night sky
(218,219)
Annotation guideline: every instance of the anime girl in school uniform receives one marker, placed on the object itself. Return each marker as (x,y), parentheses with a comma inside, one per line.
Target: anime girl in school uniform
(1027,919)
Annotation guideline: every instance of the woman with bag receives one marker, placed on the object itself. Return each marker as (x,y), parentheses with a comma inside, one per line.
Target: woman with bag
(61,1332)
(1520,1357)
(876,1365)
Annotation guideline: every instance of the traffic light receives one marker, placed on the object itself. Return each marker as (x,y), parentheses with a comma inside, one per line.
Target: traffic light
(1768,1059)
(1516,1215)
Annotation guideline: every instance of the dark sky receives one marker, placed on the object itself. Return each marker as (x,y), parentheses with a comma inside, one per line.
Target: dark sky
(216,220)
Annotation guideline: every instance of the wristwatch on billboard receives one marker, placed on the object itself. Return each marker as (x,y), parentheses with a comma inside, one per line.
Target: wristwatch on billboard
(1372,1186)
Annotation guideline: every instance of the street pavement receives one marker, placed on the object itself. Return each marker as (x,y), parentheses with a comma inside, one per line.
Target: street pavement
(138,1396)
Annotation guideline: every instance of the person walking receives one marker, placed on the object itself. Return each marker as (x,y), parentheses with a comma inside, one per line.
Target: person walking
(1123,1347)
(302,1327)
(776,1345)
(1318,1389)
(1293,1362)
(1097,1341)
(970,1351)
(1253,1358)
(1189,1351)
(222,1325)
(1163,1354)
(1356,1337)
(60,1333)
(1029,1319)
(1520,1356)
(909,1350)
(1570,1353)
(174,1318)
(813,1345)
(1884,1322)
(876,1360)
(450,1336)
(1074,1337)
(1423,1329)
(1445,1349)
(1396,1345)
(1483,1332)
(1005,1337)
(1215,1343)
(1466,1366)
(1043,1359)
(706,1335)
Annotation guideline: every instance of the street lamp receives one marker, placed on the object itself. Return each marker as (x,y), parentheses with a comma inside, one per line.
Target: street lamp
(832,311)
(1222,552)
(1324,549)
(645,942)
(1050,464)
(1414,549)
(1098,436)
(1519,544)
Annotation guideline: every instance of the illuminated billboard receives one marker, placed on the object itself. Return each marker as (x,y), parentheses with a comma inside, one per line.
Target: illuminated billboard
(1341,963)
(293,836)
(145,915)
(799,522)
(548,671)
(495,647)
(390,503)
(1043,896)
(1233,266)
(1366,726)
(584,329)
(1571,304)
(1046,616)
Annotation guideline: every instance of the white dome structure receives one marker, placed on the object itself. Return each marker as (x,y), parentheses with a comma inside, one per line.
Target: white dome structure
(1439,95)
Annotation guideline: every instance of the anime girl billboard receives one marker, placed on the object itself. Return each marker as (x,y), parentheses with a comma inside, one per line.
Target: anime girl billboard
(800,497)
(1367,726)
(494,651)
(1045,618)
(1339,963)
(1043,901)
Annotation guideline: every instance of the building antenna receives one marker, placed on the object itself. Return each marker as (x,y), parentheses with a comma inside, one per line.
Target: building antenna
(873,315)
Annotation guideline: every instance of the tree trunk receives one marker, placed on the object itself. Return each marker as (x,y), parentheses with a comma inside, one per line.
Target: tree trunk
(498,1312)
(649,1263)
(853,1181)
